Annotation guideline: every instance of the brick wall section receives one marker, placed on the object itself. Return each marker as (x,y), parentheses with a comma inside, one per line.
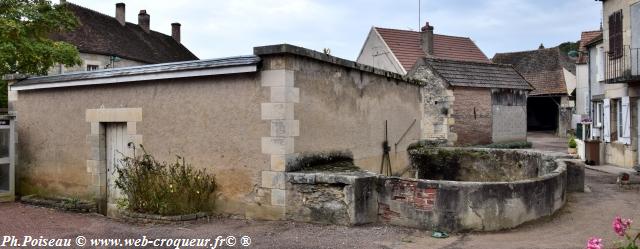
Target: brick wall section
(404,193)
(471,111)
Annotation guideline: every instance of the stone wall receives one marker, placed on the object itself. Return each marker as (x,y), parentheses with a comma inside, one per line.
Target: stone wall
(194,118)
(332,198)
(325,197)
(247,128)
(342,109)
(437,100)
(472,113)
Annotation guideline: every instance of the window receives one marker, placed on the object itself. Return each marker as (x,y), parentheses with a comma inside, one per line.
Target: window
(92,67)
(597,114)
(615,35)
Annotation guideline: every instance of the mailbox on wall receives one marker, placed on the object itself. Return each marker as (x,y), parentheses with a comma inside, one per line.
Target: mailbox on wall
(7,158)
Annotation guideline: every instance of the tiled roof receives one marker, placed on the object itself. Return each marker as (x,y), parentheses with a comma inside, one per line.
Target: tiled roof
(543,68)
(546,83)
(478,74)
(405,45)
(585,38)
(102,34)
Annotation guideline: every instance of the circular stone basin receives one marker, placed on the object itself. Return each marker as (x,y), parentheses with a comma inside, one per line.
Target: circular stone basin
(462,189)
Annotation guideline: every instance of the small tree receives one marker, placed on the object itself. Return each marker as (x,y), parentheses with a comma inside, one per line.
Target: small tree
(25,46)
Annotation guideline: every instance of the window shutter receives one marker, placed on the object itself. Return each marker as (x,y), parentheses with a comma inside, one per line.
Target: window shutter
(606,124)
(626,121)
(615,35)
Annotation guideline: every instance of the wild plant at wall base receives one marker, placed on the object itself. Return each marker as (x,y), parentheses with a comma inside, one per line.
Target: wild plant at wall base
(155,187)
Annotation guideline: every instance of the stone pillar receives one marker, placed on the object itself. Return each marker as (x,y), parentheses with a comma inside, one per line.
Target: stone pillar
(279,145)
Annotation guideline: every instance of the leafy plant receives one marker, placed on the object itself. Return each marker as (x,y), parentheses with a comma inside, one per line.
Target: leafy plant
(25,46)
(163,188)
(572,143)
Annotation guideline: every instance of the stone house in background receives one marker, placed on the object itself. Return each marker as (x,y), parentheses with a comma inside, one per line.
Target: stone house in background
(615,87)
(467,99)
(111,42)
(249,119)
(469,102)
(583,77)
(553,75)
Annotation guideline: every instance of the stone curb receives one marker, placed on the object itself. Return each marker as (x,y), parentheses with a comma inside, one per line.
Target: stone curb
(156,218)
(59,203)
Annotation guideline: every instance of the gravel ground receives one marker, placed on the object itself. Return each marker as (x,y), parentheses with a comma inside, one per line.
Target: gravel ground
(585,214)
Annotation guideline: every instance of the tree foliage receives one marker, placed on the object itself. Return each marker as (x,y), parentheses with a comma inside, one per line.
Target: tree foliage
(567,47)
(25,46)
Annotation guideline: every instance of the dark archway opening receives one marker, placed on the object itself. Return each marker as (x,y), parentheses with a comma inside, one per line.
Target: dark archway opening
(542,113)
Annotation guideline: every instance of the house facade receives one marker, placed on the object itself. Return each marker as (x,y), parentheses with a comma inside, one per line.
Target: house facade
(583,77)
(111,42)
(614,68)
(553,75)
(247,119)
(462,86)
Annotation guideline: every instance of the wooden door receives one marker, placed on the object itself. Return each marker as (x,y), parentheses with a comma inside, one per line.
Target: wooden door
(116,139)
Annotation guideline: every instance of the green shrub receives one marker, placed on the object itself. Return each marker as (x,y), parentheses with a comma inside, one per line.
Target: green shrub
(163,188)
(511,145)
(572,143)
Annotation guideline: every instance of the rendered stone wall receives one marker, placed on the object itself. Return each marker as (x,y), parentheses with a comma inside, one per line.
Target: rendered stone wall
(437,102)
(343,109)
(195,118)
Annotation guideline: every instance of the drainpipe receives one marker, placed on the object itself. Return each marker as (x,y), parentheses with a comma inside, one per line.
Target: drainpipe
(589,73)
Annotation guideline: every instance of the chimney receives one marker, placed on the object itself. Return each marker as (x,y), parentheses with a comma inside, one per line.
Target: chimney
(63,2)
(120,13)
(427,39)
(541,46)
(175,31)
(144,20)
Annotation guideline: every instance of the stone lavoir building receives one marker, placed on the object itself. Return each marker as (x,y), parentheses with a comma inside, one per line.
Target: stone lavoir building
(247,118)
(468,100)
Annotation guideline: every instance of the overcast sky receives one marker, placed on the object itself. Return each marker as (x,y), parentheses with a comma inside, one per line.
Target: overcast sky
(219,28)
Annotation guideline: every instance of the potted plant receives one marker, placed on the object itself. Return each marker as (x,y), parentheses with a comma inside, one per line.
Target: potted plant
(572,145)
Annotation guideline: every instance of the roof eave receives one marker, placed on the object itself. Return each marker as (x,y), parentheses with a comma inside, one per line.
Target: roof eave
(133,74)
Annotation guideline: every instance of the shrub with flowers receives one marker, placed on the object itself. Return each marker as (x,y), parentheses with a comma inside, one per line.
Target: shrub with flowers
(163,188)
(622,227)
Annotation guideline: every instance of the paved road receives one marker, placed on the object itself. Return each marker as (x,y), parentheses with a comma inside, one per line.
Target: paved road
(547,141)
(585,214)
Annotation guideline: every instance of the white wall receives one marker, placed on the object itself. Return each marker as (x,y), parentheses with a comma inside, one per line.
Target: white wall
(582,89)
(377,54)
(94,59)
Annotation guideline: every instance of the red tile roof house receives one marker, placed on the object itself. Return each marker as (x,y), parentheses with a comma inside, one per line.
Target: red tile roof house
(467,99)
(111,42)
(553,74)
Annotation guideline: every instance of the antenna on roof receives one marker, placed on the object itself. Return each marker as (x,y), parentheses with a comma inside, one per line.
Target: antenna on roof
(419,13)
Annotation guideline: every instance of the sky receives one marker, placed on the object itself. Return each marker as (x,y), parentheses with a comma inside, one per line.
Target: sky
(222,28)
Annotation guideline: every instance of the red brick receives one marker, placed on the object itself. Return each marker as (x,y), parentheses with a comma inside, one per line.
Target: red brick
(472,128)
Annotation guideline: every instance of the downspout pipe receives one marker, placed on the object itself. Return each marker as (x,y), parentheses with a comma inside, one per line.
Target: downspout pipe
(589,75)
